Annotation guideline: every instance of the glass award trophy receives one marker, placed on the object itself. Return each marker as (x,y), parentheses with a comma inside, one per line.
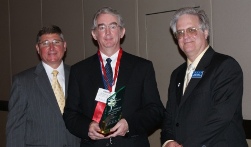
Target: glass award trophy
(112,112)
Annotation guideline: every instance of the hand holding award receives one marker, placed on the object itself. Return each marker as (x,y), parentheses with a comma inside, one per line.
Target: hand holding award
(113,111)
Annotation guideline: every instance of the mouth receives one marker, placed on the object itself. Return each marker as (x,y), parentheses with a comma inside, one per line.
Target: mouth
(188,41)
(52,53)
(108,38)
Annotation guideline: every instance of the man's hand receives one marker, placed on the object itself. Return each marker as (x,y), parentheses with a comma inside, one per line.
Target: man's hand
(94,131)
(173,144)
(120,129)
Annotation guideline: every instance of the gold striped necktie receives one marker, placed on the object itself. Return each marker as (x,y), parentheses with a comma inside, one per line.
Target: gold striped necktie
(58,91)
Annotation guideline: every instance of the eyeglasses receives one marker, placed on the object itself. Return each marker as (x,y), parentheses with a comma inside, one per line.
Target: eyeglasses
(47,43)
(112,27)
(192,31)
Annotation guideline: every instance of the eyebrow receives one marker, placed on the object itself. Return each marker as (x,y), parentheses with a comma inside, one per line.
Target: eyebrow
(51,40)
(188,28)
(109,24)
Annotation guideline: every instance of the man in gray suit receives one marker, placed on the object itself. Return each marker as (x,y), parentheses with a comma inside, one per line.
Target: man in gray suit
(34,117)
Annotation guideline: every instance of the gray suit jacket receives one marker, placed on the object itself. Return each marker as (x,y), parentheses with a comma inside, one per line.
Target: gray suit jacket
(34,117)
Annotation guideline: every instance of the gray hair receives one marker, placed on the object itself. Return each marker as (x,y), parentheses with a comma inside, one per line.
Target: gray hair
(204,21)
(107,10)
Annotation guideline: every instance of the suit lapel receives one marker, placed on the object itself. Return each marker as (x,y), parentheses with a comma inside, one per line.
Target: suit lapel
(180,83)
(44,86)
(67,73)
(125,70)
(124,73)
(96,72)
(204,62)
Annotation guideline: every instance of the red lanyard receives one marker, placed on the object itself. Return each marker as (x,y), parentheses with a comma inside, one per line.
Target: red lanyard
(116,68)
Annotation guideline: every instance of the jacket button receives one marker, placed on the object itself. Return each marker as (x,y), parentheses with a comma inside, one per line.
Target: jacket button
(177,124)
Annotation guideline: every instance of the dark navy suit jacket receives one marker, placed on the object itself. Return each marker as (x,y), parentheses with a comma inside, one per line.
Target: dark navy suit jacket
(209,114)
(142,107)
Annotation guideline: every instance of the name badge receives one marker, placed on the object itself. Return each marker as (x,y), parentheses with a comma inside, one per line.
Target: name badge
(197,74)
(103,95)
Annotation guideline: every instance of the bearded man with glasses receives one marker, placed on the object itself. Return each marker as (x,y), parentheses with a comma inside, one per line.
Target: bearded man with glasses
(204,107)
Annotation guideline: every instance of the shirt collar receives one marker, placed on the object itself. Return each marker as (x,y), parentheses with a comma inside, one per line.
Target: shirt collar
(113,57)
(49,69)
(197,60)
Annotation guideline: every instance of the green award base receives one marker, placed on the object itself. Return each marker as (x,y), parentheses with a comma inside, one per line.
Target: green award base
(113,112)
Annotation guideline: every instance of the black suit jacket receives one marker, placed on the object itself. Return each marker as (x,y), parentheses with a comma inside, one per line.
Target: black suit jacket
(209,114)
(142,107)
(34,117)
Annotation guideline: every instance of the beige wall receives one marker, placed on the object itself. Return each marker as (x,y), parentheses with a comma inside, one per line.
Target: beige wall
(5,76)
(5,51)
(231,35)
(21,20)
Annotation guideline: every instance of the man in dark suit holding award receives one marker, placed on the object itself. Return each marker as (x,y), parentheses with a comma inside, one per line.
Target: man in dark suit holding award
(37,97)
(142,110)
(204,107)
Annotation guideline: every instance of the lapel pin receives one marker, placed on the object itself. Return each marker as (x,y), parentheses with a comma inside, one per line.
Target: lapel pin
(178,84)
(197,74)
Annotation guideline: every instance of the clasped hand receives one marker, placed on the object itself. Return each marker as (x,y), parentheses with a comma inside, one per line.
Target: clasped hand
(120,129)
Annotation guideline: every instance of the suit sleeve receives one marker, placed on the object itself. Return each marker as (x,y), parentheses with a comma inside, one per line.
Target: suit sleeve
(16,122)
(166,128)
(150,114)
(226,93)
(75,120)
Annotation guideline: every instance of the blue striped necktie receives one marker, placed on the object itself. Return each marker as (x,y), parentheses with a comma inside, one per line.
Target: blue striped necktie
(109,73)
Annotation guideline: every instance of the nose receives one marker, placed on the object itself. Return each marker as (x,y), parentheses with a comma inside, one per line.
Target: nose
(107,30)
(186,35)
(51,46)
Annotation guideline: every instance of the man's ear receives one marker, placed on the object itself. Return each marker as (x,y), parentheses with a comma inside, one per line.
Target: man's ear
(65,46)
(37,48)
(206,34)
(94,35)
(122,32)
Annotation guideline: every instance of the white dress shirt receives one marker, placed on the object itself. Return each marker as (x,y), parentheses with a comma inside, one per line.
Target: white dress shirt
(114,58)
(60,76)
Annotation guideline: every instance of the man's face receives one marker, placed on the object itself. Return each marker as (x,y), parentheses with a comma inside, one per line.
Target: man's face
(108,32)
(51,49)
(193,42)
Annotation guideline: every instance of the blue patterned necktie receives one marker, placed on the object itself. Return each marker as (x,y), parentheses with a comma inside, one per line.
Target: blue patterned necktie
(108,70)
